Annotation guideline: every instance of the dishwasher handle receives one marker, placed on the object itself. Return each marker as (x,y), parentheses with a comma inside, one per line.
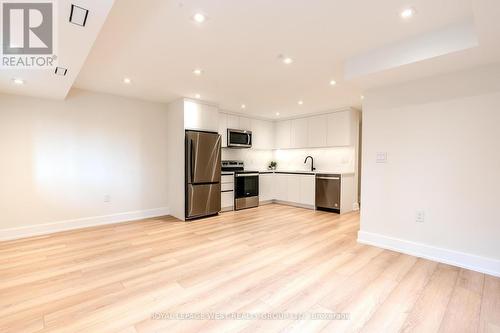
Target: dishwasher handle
(330,178)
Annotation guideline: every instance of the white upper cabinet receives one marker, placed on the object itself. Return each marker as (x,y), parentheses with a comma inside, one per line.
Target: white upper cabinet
(336,129)
(223,128)
(245,124)
(282,134)
(318,131)
(340,128)
(262,134)
(233,122)
(199,116)
(237,122)
(329,130)
(299,133)
(262,130)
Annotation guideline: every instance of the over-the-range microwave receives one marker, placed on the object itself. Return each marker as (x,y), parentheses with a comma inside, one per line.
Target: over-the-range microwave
(239,138)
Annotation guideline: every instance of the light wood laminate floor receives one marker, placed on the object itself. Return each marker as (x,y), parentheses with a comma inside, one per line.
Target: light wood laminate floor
(272,259)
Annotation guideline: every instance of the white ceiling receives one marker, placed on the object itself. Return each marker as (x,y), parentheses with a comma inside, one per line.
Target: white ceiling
(74,44)
(157,45)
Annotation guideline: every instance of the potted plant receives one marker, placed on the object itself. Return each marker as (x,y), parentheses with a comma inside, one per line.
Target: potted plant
(272,165)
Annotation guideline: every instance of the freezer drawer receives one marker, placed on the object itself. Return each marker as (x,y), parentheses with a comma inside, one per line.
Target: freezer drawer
(328,191)
(203,200)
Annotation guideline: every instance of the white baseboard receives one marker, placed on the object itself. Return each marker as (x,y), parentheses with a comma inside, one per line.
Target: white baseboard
(294,204)
(469,261)
(49,228)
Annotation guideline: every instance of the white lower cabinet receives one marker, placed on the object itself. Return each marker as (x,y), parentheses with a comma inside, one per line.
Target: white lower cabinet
(288,187)
(281,187)
(227,192)
(227,199)
(266,186)
(293,188)
(307,190)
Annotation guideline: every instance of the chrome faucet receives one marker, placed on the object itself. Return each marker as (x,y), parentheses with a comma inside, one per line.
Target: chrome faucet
(312,162)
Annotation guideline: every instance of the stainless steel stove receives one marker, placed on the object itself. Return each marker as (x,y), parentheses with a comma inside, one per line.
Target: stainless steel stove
(246,184)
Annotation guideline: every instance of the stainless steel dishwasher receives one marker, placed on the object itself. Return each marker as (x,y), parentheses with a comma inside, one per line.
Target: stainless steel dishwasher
(328,192)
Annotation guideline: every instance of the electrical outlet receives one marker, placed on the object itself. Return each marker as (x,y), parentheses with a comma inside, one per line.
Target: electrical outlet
(381,157)
(107,198)
(420,216)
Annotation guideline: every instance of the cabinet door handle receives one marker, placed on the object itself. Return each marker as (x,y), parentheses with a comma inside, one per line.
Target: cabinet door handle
(331,178)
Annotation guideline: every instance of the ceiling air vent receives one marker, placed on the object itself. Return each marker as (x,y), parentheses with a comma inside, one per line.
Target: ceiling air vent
(61,71)
(78,15)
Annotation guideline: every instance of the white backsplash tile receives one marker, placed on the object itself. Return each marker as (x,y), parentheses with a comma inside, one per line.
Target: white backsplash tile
(254,159)
(339,159)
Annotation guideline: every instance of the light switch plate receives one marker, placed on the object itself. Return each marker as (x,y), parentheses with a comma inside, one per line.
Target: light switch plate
(381,157)
(420,216)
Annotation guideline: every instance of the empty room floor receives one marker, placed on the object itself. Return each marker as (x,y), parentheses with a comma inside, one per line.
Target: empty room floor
(144,276)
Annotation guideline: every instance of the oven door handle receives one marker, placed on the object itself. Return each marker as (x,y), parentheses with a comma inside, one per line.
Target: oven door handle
(247,175)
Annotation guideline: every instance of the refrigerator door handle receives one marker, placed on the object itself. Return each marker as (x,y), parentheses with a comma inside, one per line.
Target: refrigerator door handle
(192,161)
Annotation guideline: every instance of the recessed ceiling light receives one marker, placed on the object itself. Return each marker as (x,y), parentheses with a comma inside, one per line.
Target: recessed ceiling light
(197,96)
(61,71)
(333,82)
(127,80)
(277,113)
(199,17)
(243,106)
(18,82)
(408,13)
(287,60)
(197,71)
(362,97)
(300,102)
(78,15)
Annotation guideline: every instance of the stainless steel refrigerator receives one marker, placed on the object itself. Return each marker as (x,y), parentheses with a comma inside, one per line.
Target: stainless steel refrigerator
(203,168)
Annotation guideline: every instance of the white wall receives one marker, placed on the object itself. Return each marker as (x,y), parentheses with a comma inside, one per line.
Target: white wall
(443,143)
(175,163)
(59,159)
